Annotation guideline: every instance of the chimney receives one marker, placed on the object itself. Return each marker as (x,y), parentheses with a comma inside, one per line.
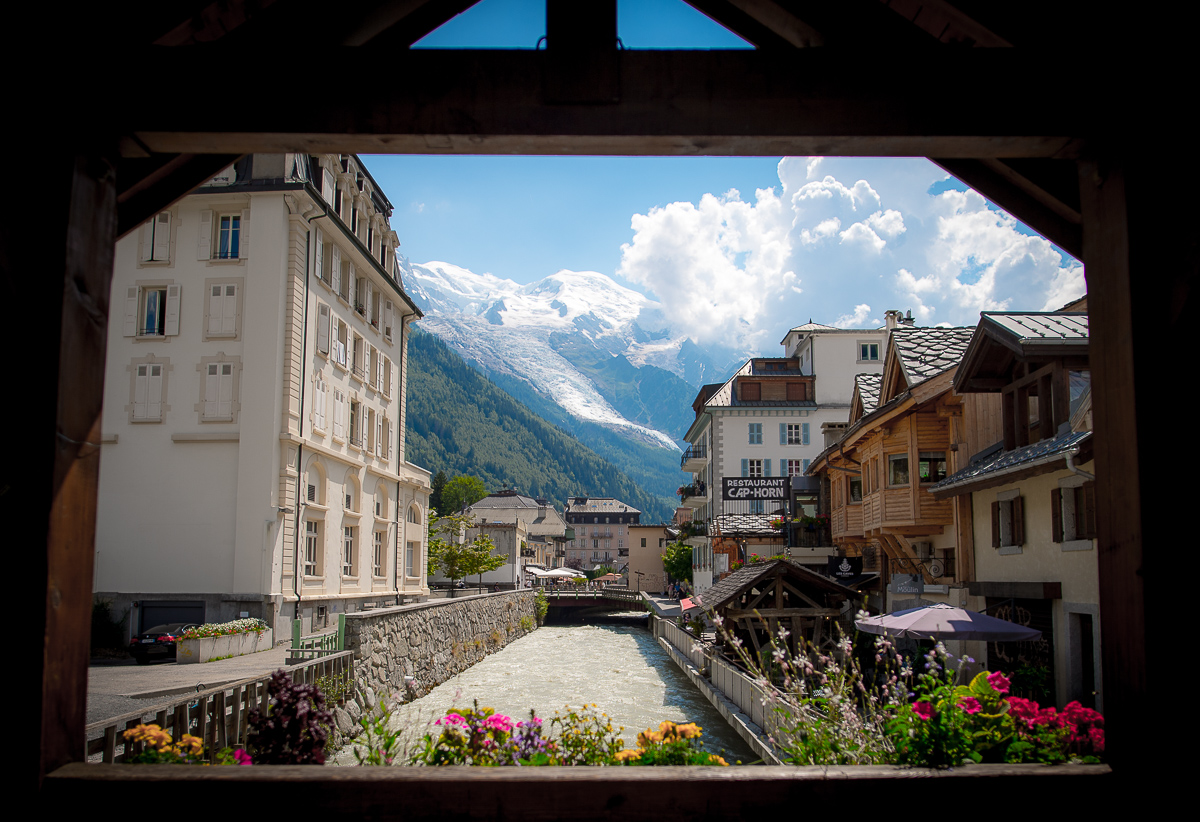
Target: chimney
(908,318)
(891,319)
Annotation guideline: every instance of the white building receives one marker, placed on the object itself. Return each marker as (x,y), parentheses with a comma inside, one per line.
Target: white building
(770,419)
(601,526)
(253,427)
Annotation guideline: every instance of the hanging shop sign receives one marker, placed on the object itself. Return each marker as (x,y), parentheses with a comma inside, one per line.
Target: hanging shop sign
(754,488)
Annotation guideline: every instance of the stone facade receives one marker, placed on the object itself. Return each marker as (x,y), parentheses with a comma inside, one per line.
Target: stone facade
(428,641)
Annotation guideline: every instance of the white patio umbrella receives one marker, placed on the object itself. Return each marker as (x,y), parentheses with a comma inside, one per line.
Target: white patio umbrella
(565,572)
(942,621)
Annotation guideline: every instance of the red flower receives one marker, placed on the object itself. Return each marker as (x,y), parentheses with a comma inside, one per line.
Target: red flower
(1000,682)
(923,709)
(970,704)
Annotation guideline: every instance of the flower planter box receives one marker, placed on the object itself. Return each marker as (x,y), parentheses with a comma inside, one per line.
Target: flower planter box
(219,647)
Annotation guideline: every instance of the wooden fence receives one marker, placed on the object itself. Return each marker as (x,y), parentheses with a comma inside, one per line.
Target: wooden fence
(219,716)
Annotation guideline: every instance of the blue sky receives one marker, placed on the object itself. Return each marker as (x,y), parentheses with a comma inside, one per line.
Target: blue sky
(736,249)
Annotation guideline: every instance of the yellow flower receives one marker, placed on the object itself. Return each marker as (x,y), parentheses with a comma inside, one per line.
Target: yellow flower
(713,759)
(628,754)
(688,731)
(648,737)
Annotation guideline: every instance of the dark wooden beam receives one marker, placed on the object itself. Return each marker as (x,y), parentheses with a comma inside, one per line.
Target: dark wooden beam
(1057,221)
(810,101)
(770,31)
(148,185)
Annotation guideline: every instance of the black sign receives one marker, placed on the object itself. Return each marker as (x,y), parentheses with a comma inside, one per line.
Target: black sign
(844,567)
(754,488)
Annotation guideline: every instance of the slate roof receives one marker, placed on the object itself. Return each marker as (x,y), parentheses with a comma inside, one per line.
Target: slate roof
(746,577)
(600,505)
(1034,328)
(751,524)
(1006,462)
(868,386)
(927,352)
(725,397)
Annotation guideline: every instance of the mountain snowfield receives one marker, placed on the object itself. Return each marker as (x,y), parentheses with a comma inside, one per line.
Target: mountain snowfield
(535,333)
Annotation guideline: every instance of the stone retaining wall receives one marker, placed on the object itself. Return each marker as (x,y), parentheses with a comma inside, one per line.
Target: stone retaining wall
(429,642)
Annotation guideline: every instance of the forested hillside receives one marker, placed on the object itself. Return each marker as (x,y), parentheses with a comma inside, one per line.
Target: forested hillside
(460,423)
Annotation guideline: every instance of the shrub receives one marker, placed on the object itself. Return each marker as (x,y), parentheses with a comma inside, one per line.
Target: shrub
(238,626)
(541,606)
(672,744)
(294,728)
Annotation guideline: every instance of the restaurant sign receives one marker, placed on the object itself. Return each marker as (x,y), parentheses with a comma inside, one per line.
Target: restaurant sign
(754,488)
(844,567)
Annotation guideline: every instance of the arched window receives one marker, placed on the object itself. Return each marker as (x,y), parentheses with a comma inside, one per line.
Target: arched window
(414,514)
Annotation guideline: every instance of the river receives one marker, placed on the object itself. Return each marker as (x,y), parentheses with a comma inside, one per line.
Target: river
(618,665)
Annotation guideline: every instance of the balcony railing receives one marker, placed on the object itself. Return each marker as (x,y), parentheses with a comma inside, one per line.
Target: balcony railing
(811,534)
(692,454)
(696,489)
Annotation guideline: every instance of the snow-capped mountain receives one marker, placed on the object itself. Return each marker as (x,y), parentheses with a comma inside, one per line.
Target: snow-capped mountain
(580,339)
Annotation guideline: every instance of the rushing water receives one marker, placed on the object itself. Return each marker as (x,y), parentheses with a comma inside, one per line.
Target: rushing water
(618,667)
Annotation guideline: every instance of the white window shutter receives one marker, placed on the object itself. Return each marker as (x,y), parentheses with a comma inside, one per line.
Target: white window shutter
(335,267)
(154,393)
(378,370)
(338,419)
(378,436)
(141,382)
(387,319)
(323,329)
(319,256)
(131,307)
(146,242)
(212,389)
(171,323)
(225,398)
(204,247)
(229,320)
(387,451)
(216,309)
(244,235)
(162,236)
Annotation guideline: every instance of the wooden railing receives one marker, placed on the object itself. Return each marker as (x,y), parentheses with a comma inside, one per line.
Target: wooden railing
(219,716)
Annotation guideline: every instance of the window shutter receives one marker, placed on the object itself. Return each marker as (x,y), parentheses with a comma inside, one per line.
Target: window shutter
(204,247)
(229,318)
(318,416)
(378,436)
(171,324)
(996,524)
(804,433)
(162,236)
(335,268)
(154,393)
(387,451)
(1085,508)
(745,468)
(1018,520)
(323,329)
(766,468)
(378,370)
(212,390)
(783,433)
(140,389)
(388,312)
(338,424)
(805,464)
(216,309)
(1056,519)
(131,307)
(244,235)
(146,242)
(319,256)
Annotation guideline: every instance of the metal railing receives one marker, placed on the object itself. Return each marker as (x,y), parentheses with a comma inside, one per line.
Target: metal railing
(695,452)
(932,568)
(315,646)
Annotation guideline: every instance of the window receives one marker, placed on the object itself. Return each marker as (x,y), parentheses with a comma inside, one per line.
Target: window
(897,469)
(754,468)
(223,235)
(387,377)
(389,316)
(414,515)
(320,392)
(223,309)
(156,239)
(931,466)
(750,391)
(793,433)
(152,310)
(379,556)
(643,542)
(868,352)
(358,366)
(793,468)
(348,569)
(339,335)
(412,558)
(147,389)
(756,433)
(1073,513)
(218,389)
(797,392)
(312,548)
(757,506)
(1008,522)
(855,489)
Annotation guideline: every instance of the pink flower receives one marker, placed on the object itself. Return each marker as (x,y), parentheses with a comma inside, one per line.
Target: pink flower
(451,719)
(970,704)
(923,709)
(1000,682)
(498,722)
(240,757)
(1023,710)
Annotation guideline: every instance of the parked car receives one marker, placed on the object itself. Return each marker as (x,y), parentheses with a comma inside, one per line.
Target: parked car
(158,642)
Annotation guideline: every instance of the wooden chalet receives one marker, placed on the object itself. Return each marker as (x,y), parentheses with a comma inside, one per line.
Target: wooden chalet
(756,600)
(879,473)
(1073,141)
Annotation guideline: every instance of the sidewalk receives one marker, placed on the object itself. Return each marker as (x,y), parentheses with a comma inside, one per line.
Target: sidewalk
(664,606)
(123,686)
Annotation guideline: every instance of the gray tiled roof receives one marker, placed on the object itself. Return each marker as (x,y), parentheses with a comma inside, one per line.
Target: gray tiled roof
(927,352)
(1037,327)
(743,578)
(868,386)
(601,505)
(1017,459)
